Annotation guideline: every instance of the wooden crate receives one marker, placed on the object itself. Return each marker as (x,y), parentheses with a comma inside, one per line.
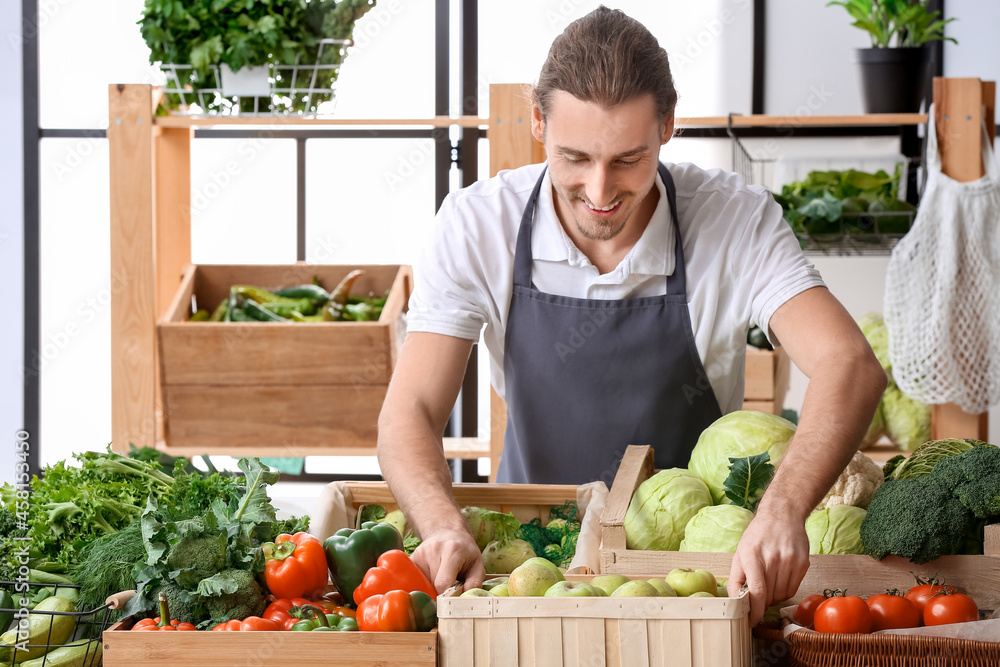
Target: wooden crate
(619,632)
(765,380)
(339,502)
(281,388)
(978,576)
(216,649)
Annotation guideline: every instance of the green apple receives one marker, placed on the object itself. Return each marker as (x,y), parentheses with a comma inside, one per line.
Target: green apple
(687,580)
(701,594)
(476,593)
(666,590)
(721,591)
(489,584)
(574,589)
(500,590)
(530,580)
(609,582)
(636,589)
(549,564)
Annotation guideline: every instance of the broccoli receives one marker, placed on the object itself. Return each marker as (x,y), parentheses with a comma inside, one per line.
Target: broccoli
(246,599)
(919,519)
(183,605)
(194,558)
(974,477)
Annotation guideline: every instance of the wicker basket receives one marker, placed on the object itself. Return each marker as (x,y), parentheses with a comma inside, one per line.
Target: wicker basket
(814,649)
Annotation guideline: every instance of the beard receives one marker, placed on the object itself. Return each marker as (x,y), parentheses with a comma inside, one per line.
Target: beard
(596,228)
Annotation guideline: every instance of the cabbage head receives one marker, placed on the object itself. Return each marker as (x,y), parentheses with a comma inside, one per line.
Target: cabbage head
(835,530)
(873,327)
(661,507)
(907,422)
(716,528)
(736,435)
(875,429)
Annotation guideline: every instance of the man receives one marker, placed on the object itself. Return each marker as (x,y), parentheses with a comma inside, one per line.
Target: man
(616,295)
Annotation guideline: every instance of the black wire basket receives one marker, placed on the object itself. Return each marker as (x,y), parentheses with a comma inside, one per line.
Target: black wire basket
(852,233)
(41,637)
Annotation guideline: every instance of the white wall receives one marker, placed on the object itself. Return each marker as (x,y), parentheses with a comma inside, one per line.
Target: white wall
(11,236)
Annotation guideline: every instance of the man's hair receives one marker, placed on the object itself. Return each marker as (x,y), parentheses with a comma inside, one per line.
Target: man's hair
(608,58)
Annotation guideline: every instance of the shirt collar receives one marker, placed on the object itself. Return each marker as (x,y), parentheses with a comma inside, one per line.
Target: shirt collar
(653,253)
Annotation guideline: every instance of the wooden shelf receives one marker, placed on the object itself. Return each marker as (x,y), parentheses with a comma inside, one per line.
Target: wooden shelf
(267,121)
(761,120)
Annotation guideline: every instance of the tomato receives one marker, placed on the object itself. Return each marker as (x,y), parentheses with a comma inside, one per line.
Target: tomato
(807,609)
(892,612)
(919,595)
(847,614)
(950,608)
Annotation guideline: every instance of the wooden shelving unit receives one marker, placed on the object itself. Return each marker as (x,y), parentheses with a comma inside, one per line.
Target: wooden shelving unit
(151,224)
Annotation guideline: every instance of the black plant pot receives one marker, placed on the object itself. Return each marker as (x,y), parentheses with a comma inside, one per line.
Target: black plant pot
(893,80)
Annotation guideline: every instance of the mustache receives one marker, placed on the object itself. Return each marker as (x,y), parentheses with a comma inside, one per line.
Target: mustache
(581,194)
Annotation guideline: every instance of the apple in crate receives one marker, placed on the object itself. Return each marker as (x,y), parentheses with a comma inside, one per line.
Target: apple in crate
(549,564)
(687,580)
(666,590)
(530,580)
(574,589)
(636,589)
(476,593)
(609,582)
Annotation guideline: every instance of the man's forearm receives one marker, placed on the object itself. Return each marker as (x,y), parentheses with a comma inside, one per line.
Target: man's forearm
(841,398)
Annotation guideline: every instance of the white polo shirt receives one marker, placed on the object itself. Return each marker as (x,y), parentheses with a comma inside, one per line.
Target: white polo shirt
(742,262)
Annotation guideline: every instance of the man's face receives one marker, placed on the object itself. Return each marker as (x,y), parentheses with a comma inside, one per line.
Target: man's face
(602,161)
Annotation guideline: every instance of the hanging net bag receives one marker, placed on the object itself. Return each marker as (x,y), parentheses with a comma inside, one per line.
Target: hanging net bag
(942,293)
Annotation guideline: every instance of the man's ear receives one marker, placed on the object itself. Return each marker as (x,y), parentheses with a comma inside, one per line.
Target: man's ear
(668,129)
(537,124)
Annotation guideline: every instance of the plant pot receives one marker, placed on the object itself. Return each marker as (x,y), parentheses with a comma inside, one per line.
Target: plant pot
(246,82)
(893,80)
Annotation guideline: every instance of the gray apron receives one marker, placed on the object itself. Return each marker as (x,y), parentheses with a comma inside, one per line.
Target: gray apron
(587,377)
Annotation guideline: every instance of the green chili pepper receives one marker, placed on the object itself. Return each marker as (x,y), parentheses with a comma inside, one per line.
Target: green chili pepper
(200,315)
(351,553)
(219,314)
(334,309)
(258,312)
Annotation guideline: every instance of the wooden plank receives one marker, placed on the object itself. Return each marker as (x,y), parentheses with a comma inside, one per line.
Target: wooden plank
(586,607)
(760,406)
(179,121)
(228,418)
(989,93)
(509,134)
(570,633)
(712,643)
(172,213)
(498,427)
(211,649)
(590,642)
(974,575)
(466,448)
(613,643)
(476,494)
(503,638)
(950,421)
(456,644)
(634,642)
(636,466)
(481,641)
(676,637)
(133,281)
(546,634)
(526,643)
(958,116)
(759,374)
(991,540)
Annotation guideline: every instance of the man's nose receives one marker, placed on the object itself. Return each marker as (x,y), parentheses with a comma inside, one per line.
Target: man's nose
(599,188)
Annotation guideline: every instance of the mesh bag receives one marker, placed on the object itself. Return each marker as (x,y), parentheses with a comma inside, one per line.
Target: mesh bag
(942,294)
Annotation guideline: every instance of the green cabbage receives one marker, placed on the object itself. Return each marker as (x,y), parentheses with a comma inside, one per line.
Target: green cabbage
(875,429)
(716,528)
(738,434)
(835,530)
(873,327)
(907,422)
(927,455)
(661,507)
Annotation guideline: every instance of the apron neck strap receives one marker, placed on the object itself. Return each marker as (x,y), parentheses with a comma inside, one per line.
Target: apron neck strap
(676,284)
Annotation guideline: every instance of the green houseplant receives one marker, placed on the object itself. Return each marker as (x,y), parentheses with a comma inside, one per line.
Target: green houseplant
(894,70)
(198,37)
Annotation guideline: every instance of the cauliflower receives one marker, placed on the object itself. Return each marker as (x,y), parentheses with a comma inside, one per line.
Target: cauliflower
(856,485)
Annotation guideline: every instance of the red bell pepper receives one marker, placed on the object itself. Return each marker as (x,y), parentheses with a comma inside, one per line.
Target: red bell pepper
(394,571)
(295,566)
(398,611)
(287,612)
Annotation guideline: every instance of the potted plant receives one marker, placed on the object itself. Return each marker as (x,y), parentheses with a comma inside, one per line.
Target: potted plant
(201,40)
(894,69)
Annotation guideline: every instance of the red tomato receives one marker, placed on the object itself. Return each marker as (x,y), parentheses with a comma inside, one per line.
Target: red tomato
(919,595)
(807,609)
(892,612)
(848,614)
(950,608)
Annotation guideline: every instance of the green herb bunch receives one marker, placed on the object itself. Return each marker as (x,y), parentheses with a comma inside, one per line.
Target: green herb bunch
(901,23)
(248,33)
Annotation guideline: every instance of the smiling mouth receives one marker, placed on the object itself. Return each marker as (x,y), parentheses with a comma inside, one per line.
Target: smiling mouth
(604,210)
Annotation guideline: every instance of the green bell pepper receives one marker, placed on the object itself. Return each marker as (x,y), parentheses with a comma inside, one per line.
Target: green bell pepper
(351,553)
(320,622)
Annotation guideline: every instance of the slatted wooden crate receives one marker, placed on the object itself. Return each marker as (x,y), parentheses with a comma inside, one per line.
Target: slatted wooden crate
(765,380)
(598,632)
(214,649)
(978,576)
(276,388)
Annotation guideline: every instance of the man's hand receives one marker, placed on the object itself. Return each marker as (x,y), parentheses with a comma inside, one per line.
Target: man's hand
(450,556)
(771,558)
